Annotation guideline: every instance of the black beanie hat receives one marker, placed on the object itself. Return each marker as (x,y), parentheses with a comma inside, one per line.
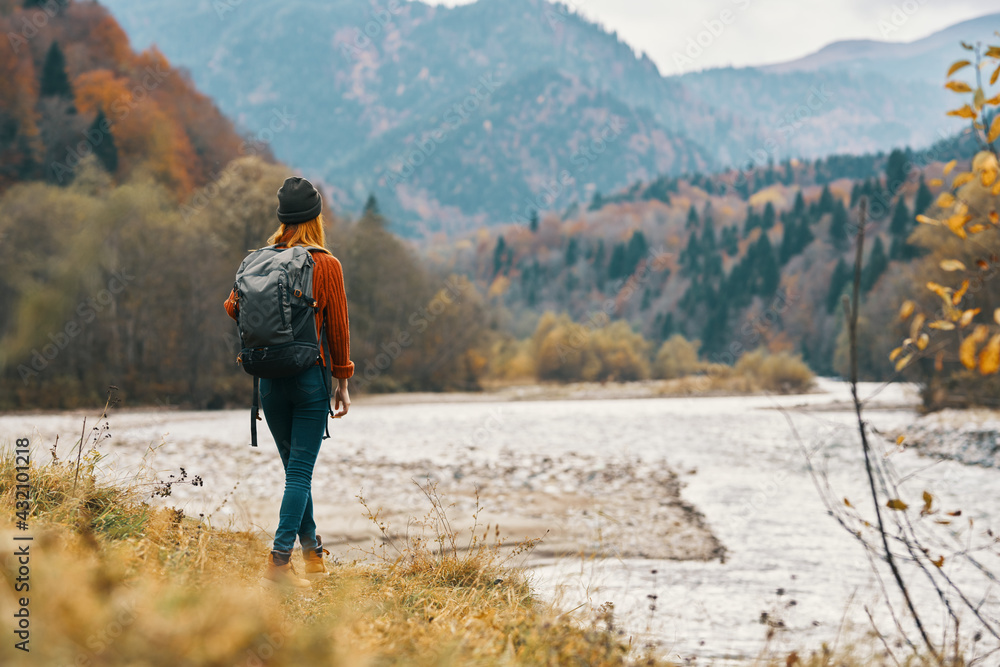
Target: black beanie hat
(298,201)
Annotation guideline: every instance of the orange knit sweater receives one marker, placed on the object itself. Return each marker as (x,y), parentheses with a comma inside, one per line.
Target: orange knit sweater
(328,290)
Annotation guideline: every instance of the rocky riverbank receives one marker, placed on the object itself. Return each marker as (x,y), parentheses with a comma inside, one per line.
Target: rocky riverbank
(969,436)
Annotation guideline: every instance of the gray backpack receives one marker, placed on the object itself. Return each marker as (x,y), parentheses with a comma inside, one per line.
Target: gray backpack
(276,317)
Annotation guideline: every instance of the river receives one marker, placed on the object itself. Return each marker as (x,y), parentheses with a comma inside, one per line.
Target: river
(740,463)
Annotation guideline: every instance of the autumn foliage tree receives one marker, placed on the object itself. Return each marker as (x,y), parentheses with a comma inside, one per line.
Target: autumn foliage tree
(954,325)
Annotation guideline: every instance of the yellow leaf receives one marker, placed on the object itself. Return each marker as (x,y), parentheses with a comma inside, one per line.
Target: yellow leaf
(927,221)
(976,228)
(935,182)
(948,167)
(940,290)
(923,341)
(939,562)
(848,502)
(955,66)
(996,189)
(956,224)
(967,47)
(901,364)
(988,176)
(957,298)
(962,179)
(928,502)
(996,315)
(958,87)
(895,353)
(967,316)
(916,325)
(995,76)
(945,200)
(965,112)
(989,358)
(995,100)
(906,310)
(952,265)
(967,350)
(900,439)
(944,325)
(896,504)
(994,129)
(994,217)
(978,98)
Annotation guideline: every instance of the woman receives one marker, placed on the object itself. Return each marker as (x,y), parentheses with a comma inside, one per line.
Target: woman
(296,407)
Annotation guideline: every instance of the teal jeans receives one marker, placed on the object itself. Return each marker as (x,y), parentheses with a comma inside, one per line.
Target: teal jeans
(296,409)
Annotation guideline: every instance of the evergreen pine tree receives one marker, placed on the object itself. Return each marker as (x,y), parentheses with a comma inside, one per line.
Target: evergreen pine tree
(55,81)
(692,219)
(768,271)
(838,227)
(896,168)
(498,254)
(104,143)
(571,251)
(838,281)
(923,200)
(800,204)
(877,264)
(900,228)
(825,200)
(767,221)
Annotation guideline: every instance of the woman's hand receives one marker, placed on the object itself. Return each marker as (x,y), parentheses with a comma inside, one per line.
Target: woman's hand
(341,399)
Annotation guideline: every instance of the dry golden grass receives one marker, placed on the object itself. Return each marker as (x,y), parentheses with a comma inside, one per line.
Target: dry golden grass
(114,582)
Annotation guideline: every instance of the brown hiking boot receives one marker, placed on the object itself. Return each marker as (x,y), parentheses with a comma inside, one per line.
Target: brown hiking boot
(279,572)
(315,563)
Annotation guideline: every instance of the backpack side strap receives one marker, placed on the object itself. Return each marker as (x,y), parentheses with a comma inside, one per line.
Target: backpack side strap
(255,411)
(327,381)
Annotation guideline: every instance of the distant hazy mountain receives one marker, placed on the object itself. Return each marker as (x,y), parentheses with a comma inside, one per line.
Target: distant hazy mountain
(477,113)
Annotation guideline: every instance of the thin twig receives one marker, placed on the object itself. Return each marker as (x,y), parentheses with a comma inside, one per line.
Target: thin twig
(855,307)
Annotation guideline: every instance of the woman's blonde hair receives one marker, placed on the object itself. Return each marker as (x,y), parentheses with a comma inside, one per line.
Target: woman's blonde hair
(310,233)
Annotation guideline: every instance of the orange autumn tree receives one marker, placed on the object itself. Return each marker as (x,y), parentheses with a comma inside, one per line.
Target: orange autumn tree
(953,324)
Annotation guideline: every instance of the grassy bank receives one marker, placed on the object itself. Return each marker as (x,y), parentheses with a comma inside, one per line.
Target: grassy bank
(114,581)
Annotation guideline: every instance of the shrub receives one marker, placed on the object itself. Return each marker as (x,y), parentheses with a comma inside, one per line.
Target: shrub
(781,372)
(676,358)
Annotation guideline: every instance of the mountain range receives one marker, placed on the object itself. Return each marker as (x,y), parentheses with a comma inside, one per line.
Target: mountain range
(484,113)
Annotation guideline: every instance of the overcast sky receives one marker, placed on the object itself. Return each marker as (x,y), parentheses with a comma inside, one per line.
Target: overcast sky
(767,31)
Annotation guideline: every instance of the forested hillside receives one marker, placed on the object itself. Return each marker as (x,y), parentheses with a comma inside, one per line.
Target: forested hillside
(458,117)
(736,260)
(127,201)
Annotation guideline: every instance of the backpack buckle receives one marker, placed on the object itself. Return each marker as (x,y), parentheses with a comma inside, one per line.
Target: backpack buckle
(298,294)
